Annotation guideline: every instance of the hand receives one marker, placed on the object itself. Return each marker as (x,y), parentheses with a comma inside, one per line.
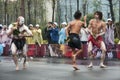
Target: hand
(68,39)
(94,35)
(97,35)
(20,35)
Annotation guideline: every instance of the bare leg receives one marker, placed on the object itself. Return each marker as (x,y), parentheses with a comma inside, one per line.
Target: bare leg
(90,55)
(24,62)
(103,55)
(91,60)
(74,54)
(24,56)
(14,55)
(15,59)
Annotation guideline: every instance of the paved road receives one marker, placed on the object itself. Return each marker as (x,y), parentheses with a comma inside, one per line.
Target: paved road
(42,70)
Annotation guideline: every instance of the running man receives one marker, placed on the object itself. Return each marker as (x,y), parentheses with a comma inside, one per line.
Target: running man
(19,31)
(73,30)
(97,29)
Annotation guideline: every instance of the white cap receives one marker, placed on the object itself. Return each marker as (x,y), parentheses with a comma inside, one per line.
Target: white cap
(109,19)
(31,25)
(37,25)
(56,23)
(64,23)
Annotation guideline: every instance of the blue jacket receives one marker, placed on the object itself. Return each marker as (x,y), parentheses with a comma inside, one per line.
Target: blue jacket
(54,34)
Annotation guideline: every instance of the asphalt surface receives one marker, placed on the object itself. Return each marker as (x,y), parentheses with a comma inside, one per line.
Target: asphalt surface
(58,69)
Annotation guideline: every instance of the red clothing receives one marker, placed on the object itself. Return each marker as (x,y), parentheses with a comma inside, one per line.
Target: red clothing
(96,42)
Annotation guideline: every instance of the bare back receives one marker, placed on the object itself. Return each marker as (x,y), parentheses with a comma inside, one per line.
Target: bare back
(75,26)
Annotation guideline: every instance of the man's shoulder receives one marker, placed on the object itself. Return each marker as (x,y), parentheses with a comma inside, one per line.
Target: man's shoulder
(103,22)
(73,22)
(81,22)
(70,22)
(25,27)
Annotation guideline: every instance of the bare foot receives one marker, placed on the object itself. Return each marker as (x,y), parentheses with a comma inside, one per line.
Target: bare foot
(90,66)
(103,66)
(76,68)
(17,68)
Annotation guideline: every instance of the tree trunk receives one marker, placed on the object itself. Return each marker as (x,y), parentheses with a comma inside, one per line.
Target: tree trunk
(70,10)
(66,11)
(111,10)
(1,11)
(29,15)
(58,12)
(22,8)
(5,15)
(35,12)
(53,1)
(84,7)
(16,10)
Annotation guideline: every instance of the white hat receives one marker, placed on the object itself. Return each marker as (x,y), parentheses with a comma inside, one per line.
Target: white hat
(37,25)
(109,19)
(31,25)
(56,23)
(64,23)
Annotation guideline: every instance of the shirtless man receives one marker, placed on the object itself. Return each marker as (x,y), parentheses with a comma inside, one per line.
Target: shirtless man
(97,28)
(18,32)
(73,30)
